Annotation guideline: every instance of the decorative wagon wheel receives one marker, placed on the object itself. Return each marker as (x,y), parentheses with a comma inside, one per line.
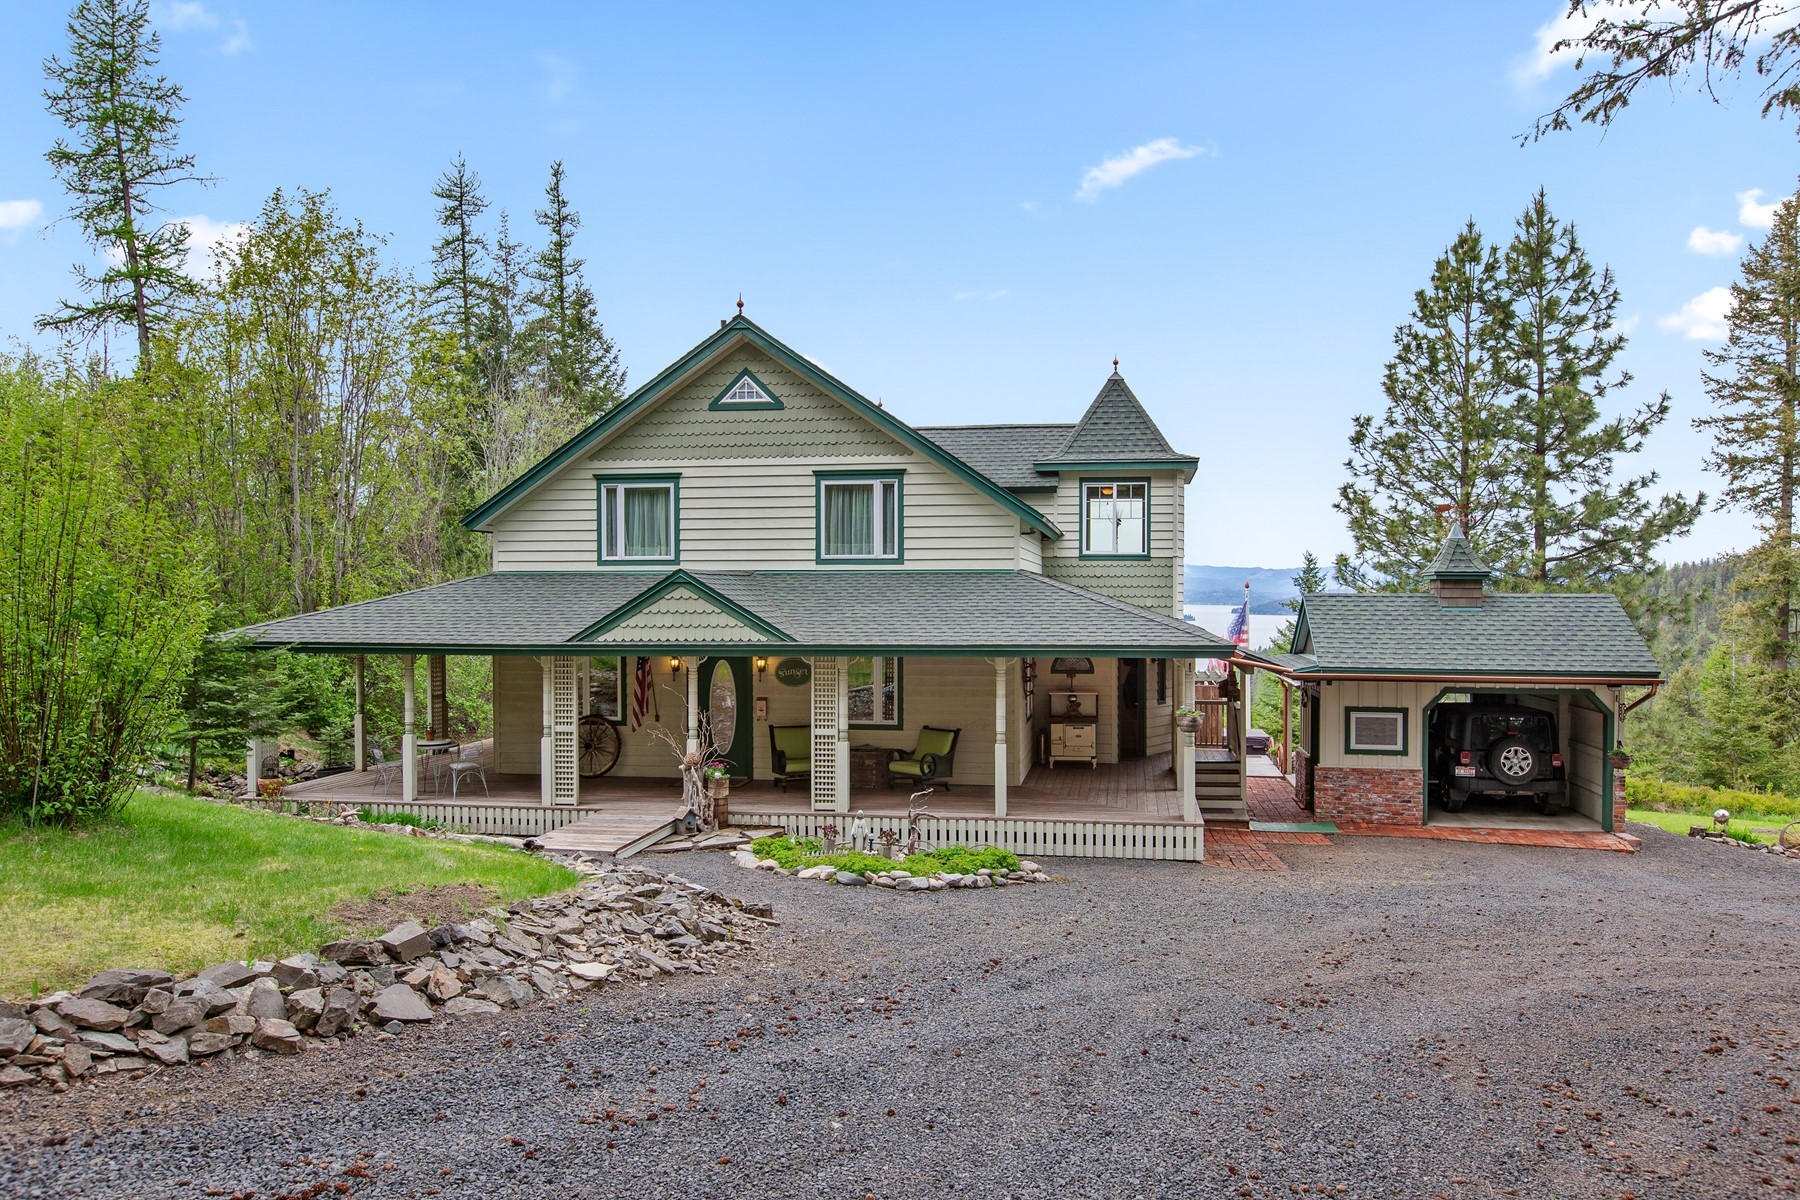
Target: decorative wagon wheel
(598,746)
(1789,837)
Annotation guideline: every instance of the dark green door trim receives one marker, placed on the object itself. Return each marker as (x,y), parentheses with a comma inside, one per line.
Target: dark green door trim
(742,755)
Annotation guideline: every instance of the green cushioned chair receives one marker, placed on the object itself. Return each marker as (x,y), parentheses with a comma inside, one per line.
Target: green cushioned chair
(790,750)
(933,760)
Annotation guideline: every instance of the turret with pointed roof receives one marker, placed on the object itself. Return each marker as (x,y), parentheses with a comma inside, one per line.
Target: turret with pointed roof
(1116,429)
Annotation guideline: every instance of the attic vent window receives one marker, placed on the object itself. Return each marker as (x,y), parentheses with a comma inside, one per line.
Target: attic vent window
(746,392)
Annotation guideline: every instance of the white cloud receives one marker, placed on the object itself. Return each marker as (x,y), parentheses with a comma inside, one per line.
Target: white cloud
(183,15)
(207,241)
(1627,323)
(1544,60)
(238,41)
(1701,319)
(17,214)
(193,16)
(979,295)
(561,76)
(1713,241)
(1115,171)
(1753,213)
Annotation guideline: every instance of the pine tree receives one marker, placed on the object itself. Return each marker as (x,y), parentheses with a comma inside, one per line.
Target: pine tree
(1578,526)
(123,117)
(1754,382)
(1442,438)
(580,363)
(458,295)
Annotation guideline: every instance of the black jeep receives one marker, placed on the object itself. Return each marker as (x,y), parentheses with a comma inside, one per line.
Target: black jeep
(1497,750)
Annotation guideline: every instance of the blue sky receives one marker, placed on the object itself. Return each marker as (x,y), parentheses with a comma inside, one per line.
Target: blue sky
(968,210)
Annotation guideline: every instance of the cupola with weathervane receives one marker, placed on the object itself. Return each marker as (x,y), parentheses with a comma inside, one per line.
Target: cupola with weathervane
(1458,578)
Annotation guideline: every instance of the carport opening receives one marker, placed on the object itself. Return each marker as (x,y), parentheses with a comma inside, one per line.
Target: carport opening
(1524,759)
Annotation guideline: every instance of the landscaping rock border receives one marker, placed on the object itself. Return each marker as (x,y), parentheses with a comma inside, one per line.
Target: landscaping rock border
(622,923)
(899,879)
(1710,834)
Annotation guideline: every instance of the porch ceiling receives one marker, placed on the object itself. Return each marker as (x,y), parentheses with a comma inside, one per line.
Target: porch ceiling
(943,613)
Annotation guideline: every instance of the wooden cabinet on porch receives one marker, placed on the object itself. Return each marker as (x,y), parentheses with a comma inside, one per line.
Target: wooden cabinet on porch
(1074,726)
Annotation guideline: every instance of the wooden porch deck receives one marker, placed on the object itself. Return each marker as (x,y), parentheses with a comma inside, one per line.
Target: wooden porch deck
(1123,803)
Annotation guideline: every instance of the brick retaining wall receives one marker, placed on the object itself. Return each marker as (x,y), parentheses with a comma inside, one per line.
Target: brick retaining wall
(1618,801)
(1372,795)
(1300,764)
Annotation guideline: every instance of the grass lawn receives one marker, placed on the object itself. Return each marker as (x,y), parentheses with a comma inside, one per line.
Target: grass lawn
(1681,822)
(178,884)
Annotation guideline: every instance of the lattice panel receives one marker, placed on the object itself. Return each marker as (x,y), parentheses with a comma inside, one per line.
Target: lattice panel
(564,712)
(830,777)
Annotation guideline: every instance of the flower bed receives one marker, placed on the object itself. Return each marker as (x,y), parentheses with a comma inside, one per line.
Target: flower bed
(933,870)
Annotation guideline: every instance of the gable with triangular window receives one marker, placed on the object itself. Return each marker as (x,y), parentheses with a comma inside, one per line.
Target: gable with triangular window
(746,392)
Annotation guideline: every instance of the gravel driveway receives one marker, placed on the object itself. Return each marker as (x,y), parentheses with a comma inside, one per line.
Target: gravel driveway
(1391,1018)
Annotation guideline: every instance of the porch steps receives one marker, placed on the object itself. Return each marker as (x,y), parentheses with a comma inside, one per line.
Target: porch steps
(614,834)
(1218,791)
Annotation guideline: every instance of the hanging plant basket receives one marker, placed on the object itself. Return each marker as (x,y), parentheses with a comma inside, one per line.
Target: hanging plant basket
(1187,722)
(1619,760)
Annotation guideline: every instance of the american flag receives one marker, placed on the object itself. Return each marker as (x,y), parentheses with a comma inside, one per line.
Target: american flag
(1238,632)
(643,693)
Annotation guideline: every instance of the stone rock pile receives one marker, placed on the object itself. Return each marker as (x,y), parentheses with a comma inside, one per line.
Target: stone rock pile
(1714,834)
(621,924)
(899,879)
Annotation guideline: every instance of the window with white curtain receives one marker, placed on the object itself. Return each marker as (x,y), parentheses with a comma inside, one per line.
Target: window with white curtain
(637,521)
(859,518)
(1115,518)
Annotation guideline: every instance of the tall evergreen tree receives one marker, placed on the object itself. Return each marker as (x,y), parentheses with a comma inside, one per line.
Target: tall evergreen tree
(580,363)
(123,118)
(458,295)
(1442,438)
(1577,525)
(1754,382)
(1308,580)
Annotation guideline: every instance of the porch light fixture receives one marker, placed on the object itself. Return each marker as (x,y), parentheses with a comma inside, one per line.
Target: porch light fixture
(674,664)
(762,665)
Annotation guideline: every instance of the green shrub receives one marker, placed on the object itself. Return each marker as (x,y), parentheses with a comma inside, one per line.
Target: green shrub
(373,816)
(1675,797)
(955,860)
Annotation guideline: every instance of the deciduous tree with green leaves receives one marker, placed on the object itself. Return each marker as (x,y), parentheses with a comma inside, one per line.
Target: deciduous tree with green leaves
(123,149)
(1578,525)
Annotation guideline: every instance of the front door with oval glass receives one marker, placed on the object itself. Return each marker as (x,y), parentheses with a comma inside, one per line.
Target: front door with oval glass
(729,715)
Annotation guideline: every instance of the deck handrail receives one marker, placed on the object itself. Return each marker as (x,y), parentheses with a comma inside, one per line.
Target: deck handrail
(1213,729)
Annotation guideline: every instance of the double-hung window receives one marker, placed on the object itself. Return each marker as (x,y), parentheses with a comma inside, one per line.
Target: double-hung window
(1115,517)
(637,519)
(874,690)
(859,518)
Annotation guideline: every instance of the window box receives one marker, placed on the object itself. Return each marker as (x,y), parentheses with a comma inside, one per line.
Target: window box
(860,516)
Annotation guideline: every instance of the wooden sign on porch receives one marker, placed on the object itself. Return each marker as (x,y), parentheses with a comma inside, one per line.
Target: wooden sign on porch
(794,672)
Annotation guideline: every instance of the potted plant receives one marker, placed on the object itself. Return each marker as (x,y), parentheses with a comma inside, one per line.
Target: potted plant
(828,833)
(1619,760)
(1187,720)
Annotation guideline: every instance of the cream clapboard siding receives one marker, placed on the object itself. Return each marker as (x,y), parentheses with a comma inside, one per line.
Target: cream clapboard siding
(1584,764)
(945,692)
(748,496)
(1031,548)
(1404,694)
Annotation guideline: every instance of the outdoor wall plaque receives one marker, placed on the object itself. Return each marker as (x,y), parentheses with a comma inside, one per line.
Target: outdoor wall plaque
(794,672)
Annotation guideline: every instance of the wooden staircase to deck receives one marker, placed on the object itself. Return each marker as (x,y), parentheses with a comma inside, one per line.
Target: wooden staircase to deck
(1219,790)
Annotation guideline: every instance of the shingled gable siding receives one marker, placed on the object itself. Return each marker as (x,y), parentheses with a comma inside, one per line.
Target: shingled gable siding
(1146,582)
(748,496)
(680,616)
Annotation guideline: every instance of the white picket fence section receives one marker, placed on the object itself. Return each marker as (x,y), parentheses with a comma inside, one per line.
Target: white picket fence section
(1032,839)
(499,818)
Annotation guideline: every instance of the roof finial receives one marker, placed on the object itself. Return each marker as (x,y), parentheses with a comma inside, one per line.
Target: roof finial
(740,304)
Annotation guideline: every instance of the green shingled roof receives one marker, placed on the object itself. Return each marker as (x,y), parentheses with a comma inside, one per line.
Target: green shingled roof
(1005,453)
(1456,559)
(949,613)
(1116,428)
(1586,636)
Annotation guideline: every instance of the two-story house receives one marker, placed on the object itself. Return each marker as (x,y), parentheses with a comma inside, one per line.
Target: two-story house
(790,560)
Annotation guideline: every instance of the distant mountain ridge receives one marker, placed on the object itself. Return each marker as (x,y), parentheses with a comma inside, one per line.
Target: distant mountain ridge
(1269,586)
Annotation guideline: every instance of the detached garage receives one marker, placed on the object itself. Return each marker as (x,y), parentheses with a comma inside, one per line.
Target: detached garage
(1463,706)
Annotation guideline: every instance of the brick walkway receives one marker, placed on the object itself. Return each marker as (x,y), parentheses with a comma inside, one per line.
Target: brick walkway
(1247,850)
(1273,800)
(1622,843)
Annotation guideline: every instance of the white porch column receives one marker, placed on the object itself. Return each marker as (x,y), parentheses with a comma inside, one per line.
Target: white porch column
(359,742)
(409,741)
(546,742)
(252,766)
(830,783)
(1000,763)
(692,666)
(1184,745)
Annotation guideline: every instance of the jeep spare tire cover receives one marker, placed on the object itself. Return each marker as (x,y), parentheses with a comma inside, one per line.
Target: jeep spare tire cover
(1512,760)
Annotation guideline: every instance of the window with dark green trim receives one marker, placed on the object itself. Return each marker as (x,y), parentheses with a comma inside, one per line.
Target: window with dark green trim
(873,686)
(859,517)
(1115,517)
(1374,731)
(639,521)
